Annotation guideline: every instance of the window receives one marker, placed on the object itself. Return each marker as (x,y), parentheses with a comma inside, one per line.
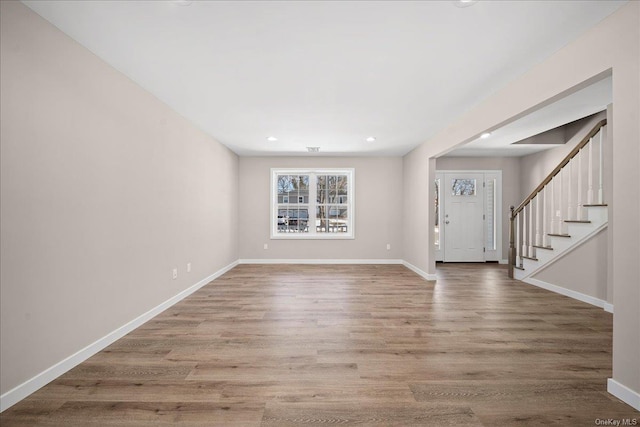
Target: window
(312,204)
(463,187)
(436,230)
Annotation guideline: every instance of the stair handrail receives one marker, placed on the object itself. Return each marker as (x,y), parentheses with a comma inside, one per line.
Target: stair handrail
(515,211)
(593,132)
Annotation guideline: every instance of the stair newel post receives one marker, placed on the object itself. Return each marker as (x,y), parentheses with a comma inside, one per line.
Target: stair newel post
(531,231)
(590,173)
(579,177)
(518,251)
(544,215)
(512,242)
(600,167)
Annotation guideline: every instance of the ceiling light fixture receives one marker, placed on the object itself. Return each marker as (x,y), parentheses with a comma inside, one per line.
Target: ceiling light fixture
(485,135)
(183,2)
(313,149)
(464,3)
(272,139)
(370,139)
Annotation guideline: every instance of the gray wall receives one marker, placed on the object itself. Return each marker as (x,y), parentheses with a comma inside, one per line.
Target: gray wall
(378,196)
(510,183)
(104,190)
(617,41)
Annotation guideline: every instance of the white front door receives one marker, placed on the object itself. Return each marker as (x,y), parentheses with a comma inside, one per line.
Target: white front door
(462,218)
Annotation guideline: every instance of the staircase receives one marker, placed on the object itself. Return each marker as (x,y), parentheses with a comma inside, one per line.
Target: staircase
(563,212)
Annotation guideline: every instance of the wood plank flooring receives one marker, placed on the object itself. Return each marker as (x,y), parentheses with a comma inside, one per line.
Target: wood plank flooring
(294,345)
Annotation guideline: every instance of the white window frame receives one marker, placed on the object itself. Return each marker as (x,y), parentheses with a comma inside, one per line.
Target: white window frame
(312,234)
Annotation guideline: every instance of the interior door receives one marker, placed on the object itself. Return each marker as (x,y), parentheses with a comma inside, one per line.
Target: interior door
(463,220)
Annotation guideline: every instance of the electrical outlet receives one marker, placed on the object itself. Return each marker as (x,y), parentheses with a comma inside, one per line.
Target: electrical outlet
(266,246)
(175,273)
(188,267)
(388,246)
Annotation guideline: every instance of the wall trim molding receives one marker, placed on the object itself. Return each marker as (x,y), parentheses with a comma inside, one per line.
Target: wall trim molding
(624,393)
(319,261)
(608,307)
(423,274)
(566,292)
(30,386)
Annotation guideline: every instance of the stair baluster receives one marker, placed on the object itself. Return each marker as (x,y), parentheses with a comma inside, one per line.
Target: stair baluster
(538,221)
(525,246)
(554,220)
(579,206)
(560,211)
(530,252)
(590,173)
(544,215)
(569,191)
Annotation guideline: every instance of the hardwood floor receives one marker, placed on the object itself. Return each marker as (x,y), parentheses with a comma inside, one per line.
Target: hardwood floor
(274,345)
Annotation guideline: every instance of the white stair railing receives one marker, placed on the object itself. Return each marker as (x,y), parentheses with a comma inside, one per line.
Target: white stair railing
(546,211)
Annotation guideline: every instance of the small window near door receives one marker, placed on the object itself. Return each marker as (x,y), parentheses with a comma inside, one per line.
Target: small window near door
(436,230)
(463,187)
(490,208)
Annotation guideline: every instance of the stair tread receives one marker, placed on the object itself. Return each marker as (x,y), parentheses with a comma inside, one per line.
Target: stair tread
(518,267)
(529,257)
(543,247)
(559,235)
(594,205)
(579,221)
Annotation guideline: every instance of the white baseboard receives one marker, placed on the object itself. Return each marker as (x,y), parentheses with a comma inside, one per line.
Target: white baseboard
(23,390)
(608,307)
(624,393)
(319,261)
(566,292)
(418,271)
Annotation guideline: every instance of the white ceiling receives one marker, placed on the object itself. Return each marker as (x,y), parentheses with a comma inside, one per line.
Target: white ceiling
(325,74)
(587,101)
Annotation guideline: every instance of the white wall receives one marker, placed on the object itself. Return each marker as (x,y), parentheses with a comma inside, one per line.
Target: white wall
(613,46)
(510,183)
(104,190)
(378,220)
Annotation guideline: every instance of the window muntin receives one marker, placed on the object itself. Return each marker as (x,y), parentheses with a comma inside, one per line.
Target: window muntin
(312,204)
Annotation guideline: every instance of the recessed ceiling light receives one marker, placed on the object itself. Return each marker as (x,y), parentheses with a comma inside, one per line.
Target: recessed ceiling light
(370,139)
(465,3)
(272,139)
(313,149)
(485,135)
